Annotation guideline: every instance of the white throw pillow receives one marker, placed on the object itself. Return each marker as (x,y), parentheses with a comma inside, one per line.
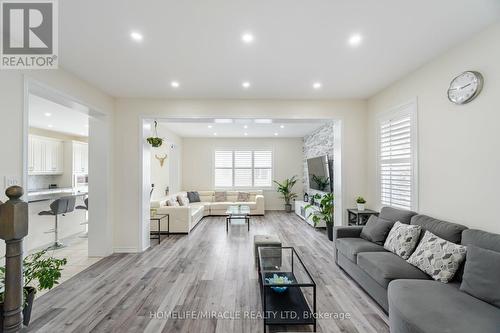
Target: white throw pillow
(438,257)
(183,200)
(402,239)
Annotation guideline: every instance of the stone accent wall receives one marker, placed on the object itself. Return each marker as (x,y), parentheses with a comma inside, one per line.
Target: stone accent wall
(318,143)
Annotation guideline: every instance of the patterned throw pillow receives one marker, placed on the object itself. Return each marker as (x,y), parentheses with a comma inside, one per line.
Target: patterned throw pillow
(220,196)
(243,196)
(172,203)
(183,200)
(402,239)
(438,257)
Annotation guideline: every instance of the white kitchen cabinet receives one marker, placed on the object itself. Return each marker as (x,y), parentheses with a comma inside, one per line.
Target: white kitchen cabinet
(45,156)
(80,158)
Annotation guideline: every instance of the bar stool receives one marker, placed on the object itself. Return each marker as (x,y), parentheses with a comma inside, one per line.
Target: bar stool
(86,207)
(58,207)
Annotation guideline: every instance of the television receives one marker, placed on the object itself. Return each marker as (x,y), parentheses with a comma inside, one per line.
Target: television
(318,170)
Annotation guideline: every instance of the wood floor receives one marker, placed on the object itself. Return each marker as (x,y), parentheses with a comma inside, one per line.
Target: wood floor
(207,270)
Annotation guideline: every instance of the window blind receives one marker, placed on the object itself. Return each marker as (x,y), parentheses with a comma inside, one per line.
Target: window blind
(243,168)
(396,162)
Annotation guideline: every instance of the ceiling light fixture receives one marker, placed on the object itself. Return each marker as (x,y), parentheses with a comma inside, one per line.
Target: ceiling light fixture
(50,126)
(215,134)
(355,40)
(47,114)
(136,36)
(282,126)
(246,134)
(246,84)
(223,121)
(263,121)
(174,84)
(209,126)
(246,126)
(247,38)
(275,134)
(317,85)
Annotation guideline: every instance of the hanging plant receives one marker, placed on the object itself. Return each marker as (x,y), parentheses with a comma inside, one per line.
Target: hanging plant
(155,141)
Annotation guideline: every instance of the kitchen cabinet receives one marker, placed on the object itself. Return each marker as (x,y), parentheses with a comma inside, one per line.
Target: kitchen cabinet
(80,158)
(45,156)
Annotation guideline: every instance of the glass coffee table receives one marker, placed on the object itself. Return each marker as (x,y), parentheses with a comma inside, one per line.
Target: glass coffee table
(287,289)
(239,213)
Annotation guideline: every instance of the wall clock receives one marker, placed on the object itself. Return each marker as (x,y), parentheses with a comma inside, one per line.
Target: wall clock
(465,87)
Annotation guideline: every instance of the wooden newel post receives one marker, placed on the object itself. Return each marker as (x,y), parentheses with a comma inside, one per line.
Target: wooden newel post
(13,228)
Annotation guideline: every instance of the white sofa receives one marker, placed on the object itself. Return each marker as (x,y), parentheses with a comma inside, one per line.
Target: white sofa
(184,218)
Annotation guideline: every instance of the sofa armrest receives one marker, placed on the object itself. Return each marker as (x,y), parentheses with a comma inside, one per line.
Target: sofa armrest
(259,201)
(180,218)
(347,232)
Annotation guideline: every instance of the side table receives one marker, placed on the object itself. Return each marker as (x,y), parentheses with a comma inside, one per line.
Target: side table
(358,217)
(159,218)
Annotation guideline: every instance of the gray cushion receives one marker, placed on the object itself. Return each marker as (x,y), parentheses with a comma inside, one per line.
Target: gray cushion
(243,196)
(193,196)
(482,239)
(394,214)
(220,197)
(452,232)
(384,267)
(350,247)
(432,306)
(481,277)
(376,230)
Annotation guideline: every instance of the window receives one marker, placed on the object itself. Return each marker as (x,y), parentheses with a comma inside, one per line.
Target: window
(397,158)
(243,168)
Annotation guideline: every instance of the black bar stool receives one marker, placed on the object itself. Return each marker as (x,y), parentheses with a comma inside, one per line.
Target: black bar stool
(86,207)
(58,207)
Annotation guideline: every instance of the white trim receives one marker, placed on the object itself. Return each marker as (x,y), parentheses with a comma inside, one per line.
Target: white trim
(126,250)
(409,108)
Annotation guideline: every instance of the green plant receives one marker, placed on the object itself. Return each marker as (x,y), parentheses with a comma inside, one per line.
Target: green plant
(155,141)
(360,200)
(39,268)
(285,189)
(321,181)
(325,211)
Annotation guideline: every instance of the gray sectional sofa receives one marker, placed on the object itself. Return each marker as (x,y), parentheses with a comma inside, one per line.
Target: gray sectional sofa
(414,301)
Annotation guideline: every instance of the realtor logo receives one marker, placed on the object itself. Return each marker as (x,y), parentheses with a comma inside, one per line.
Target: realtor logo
(29,34)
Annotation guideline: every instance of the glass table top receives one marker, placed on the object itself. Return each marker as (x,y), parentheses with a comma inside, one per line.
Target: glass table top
(238,210)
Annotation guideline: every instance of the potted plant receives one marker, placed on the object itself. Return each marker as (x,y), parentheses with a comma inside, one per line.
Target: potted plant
(155,141)
(360,201)
(285,189)
(321,182)
(40,272)
(324,212)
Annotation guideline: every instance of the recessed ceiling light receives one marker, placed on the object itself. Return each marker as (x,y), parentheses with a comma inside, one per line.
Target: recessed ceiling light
(209,126)
(282,126)
(317,85)
(246,134)
(174,84)
(50,126)
(215,134)
(275,134)
(263,121)
(136,36)
(47,114)
(246,126)
(247,38)
(223,121)
(355,39)
(246,84)
(86,126)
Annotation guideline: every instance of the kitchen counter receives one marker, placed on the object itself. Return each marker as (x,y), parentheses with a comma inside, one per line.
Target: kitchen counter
(53,194)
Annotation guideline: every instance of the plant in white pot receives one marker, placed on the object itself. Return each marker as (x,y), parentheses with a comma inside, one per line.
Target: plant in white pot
(324,212)
(360,201)
(285,189)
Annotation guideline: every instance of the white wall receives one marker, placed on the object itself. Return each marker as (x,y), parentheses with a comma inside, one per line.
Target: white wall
(171,173)
(458,146)
(13,122)
(127,149)
(198,158)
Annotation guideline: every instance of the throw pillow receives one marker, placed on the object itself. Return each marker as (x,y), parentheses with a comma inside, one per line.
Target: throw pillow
(183,200)
(402,239)
(220,196)
(481,274)
(193,196)
(243,196)
(376,230)
(438,257)
(172,203)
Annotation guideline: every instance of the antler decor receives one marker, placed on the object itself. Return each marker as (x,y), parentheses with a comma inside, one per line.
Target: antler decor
(161,159)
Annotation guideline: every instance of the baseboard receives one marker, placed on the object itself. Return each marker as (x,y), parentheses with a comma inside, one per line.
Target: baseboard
(126,250)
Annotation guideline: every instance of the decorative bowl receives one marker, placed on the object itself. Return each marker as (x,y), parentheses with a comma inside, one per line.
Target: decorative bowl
(277,279)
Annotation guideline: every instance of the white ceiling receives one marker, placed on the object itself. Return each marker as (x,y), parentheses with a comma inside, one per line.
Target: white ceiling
(62,119)
(198,44)
(236,129)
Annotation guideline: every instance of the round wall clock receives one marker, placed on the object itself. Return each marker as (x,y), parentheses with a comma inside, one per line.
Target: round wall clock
(465,87)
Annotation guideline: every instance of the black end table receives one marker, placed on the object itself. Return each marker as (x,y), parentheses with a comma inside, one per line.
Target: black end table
(158,218)
(359,217)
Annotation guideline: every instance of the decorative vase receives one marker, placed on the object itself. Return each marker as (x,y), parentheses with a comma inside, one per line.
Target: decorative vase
(361,207)
(329,229)
(306,197)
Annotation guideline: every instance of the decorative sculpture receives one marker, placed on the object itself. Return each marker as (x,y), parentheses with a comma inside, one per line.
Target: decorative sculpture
(161,159)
